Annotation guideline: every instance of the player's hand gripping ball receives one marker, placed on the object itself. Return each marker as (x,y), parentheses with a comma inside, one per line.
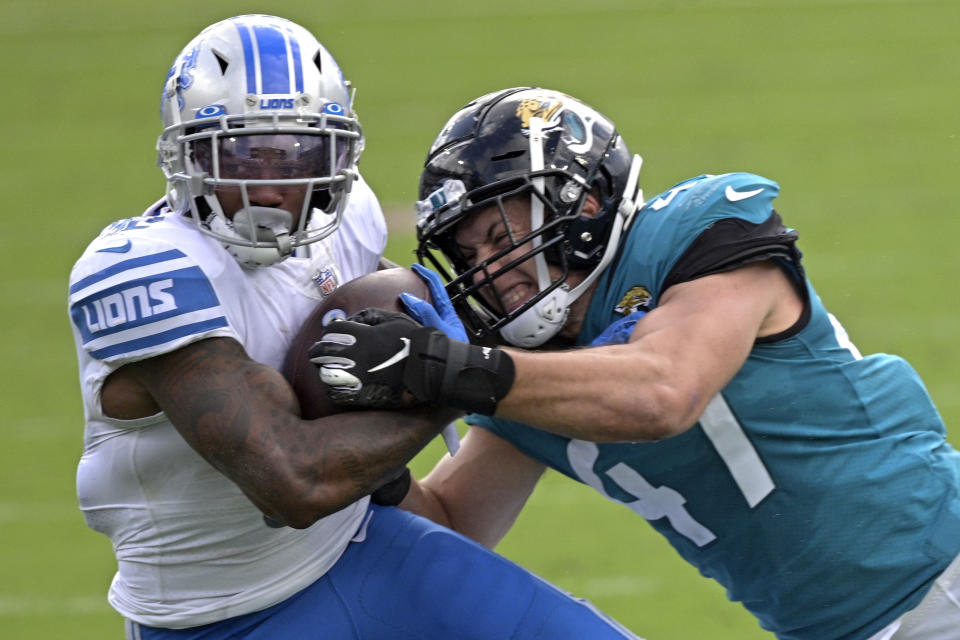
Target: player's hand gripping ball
(380,290)
(365,360)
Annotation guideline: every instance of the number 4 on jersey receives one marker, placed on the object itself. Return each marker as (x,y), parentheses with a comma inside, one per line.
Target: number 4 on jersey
(734,448)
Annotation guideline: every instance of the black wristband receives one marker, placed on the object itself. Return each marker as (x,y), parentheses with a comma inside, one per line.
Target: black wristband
(457,374)
(393,493)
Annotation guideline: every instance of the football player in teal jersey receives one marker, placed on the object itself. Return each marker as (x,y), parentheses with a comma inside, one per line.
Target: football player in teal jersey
(671,354)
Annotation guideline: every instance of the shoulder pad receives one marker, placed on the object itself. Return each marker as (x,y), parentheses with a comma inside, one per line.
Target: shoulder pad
(131,292)
(742,195)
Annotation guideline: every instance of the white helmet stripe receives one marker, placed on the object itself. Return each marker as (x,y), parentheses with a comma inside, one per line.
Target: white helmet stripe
(536,204)
(295,61)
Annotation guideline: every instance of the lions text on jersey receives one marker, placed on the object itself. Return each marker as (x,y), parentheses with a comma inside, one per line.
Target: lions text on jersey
(150,285)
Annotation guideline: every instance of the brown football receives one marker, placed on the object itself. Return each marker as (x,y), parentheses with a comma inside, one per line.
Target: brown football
(380,289)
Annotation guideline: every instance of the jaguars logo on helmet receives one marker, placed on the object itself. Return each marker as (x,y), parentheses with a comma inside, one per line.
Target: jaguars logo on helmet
(488,149)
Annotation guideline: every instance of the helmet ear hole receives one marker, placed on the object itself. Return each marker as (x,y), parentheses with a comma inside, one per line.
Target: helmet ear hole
(591,206)
(320,199)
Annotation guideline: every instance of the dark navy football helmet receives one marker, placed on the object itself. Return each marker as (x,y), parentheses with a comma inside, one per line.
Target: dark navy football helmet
(544,146)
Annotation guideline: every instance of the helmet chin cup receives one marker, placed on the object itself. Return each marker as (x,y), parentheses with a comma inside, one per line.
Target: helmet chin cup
(265,224)
(540,322)
(257,236)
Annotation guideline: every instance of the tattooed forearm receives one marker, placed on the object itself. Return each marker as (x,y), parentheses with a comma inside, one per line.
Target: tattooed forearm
(244,419)
(357,472)
(373,446)
(206,391)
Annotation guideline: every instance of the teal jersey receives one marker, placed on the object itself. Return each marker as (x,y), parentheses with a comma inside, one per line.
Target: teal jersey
(817,487)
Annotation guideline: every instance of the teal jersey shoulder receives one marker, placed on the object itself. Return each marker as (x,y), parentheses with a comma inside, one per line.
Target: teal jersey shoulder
(663,231)
(818,487)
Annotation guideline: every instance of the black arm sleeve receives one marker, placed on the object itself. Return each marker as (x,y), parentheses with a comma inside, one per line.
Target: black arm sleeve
(732,243)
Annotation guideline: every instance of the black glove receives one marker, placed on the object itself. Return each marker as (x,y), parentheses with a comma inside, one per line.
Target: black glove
(393,492)
(385,360)
(362,359)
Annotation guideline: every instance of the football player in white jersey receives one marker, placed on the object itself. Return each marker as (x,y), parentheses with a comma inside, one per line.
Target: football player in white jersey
(194,444)
(721,401)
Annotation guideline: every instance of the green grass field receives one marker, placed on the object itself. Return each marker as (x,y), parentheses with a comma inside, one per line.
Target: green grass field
(851,105)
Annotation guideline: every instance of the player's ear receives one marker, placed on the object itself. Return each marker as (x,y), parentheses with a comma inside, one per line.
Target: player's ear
(591,206)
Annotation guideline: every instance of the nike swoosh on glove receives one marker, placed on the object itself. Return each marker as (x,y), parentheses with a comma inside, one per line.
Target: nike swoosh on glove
(385,360)
(362,359)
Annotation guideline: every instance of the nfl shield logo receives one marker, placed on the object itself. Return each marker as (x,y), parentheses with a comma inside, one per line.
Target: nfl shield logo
(326,281)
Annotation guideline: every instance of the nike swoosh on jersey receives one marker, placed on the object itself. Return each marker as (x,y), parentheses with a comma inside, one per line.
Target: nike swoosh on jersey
(120,248)
(736,196)
(395,358)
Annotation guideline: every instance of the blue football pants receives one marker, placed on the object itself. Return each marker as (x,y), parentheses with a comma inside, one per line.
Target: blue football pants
(407,578)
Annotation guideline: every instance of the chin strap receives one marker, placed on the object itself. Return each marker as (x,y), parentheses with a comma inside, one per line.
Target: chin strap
(630,203)
(265,224)
(540,322)
(255,225)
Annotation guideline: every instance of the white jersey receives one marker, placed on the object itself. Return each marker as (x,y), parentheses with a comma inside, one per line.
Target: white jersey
(191,548)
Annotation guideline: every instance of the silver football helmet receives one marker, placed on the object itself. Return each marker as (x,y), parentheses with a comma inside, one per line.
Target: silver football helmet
(256,101)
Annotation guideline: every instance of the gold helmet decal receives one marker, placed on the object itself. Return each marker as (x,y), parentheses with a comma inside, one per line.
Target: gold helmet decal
(543,108)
